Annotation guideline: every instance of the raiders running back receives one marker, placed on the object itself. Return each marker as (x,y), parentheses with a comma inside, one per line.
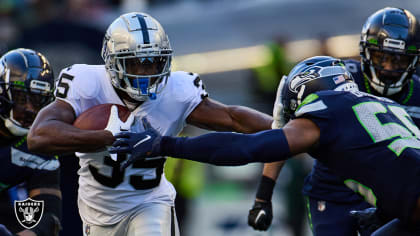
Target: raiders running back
(106,194)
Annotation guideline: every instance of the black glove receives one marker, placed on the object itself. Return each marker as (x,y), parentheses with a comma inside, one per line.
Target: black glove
(368,219)
(260,216)
(139,145)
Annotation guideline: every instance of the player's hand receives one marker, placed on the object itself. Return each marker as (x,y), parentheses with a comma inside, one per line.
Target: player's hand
(115,125)
(278,113)
(139,145)
(260,215)
(368,219)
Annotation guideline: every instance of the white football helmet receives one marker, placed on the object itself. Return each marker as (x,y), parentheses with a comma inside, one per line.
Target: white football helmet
(137,55)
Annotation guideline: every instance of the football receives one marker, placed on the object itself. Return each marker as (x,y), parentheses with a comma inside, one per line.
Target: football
(96,117)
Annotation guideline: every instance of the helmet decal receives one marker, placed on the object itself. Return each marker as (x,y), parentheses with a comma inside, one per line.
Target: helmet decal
(312,75)
(303,78)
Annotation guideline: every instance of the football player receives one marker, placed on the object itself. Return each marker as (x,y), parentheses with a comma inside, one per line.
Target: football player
(26,85)
(389,50)
(137,54)
(358,136)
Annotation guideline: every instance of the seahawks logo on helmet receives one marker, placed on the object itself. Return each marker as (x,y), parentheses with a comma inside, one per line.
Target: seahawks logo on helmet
(304,77)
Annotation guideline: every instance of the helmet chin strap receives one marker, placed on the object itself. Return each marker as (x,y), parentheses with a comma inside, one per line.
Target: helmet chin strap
(14,128)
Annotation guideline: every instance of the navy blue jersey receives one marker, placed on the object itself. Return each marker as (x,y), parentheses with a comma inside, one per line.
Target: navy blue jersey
(18,165)
(371,143)
(322,183)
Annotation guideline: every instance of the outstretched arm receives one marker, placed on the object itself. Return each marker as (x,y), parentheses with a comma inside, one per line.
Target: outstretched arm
(229,149)
(213,115)
(239,149)
(221,148)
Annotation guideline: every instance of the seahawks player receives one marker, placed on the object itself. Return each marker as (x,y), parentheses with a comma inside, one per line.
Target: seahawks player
(137,54)
(358,136)
(26,85)
(389,48)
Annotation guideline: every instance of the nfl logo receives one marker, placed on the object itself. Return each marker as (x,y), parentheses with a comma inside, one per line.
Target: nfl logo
(29,212)
(321,206)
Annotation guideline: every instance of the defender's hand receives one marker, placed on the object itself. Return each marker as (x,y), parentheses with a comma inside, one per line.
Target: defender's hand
(139,145)
(260,216)
(368,219)
(278,113)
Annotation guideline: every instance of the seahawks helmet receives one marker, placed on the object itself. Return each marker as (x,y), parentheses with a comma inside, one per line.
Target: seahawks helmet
(26,86)
(389,49)
(137,55)
(312,75)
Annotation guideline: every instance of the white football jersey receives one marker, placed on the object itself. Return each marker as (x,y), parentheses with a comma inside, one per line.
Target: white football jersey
(106,194)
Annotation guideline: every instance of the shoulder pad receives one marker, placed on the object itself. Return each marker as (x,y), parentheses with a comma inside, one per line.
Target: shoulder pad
(86,81)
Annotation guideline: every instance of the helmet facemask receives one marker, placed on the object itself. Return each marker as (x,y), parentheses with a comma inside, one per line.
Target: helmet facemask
(140,76)
(388,71)
(21,104)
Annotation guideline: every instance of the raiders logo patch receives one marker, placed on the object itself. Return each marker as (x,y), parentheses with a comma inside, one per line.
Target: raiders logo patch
(29,212)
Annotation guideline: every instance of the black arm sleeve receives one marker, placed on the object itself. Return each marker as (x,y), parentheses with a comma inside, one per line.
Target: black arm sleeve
(229,149)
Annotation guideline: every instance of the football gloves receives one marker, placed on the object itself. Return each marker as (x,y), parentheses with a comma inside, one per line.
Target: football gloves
(139,145)
(278,116)
(115,125)
(260,215)
(368,219)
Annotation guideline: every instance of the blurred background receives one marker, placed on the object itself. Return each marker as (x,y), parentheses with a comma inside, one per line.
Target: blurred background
(241,48)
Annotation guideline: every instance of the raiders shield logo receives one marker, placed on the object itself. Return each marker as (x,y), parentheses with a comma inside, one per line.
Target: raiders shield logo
(29,212)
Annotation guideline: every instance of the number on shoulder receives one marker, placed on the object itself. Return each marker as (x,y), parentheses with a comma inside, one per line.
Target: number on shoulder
(63,85)
(199,84)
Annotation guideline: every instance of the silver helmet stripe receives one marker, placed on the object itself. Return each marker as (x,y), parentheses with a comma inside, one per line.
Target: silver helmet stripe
(143,25)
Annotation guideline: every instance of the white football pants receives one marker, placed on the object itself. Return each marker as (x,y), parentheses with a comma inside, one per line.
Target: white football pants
(154,219)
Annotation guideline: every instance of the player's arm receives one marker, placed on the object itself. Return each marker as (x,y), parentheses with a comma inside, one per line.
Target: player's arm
(269,176)
(53,133)
(261,213)
(221,148)
(230,149)
(213,115)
